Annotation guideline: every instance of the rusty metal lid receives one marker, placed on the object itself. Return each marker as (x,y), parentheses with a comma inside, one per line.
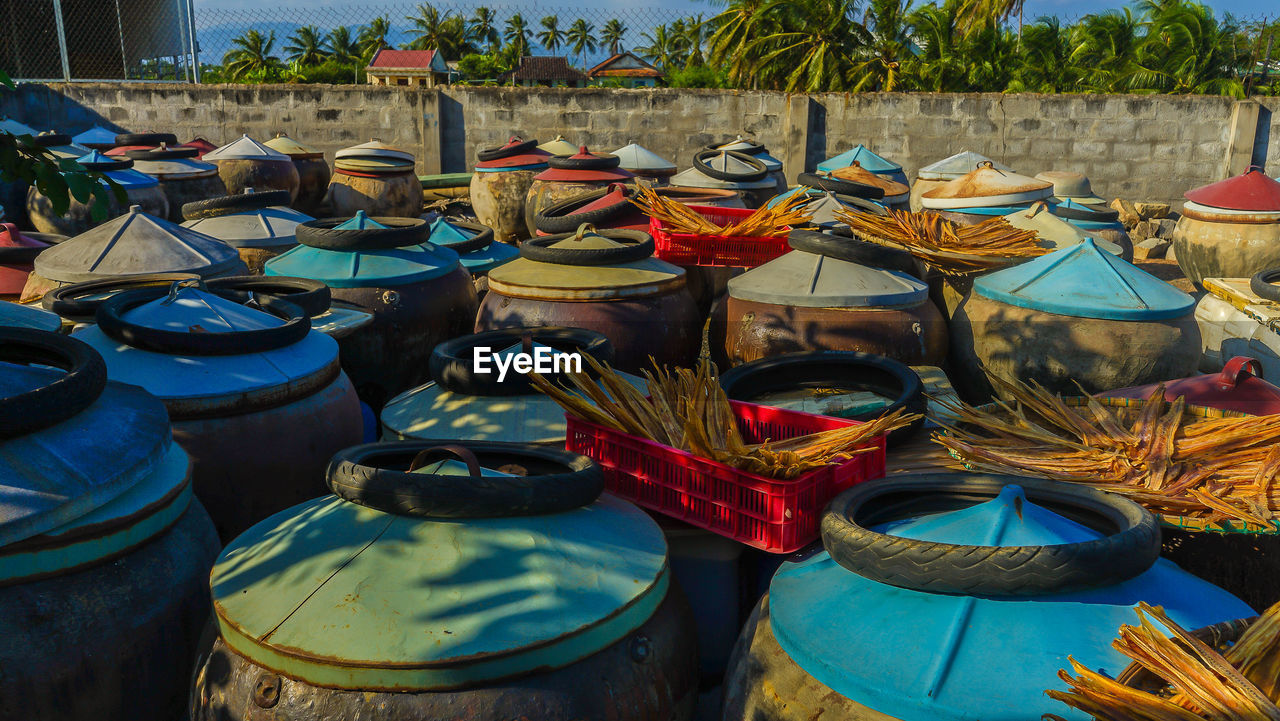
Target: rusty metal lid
(376,601)
(585,167)
(809,280)
(516,154)
(552,281)
(137,243)
(894,192)
(865,157)
(292,148)
(273,227)
(986,186)
(643,161)
(1251,192)
(96,138)
(957,166)
(245,148)
(559,146)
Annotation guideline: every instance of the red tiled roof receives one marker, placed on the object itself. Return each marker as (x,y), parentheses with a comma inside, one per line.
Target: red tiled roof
(388,58)
(544,67)
(602,70)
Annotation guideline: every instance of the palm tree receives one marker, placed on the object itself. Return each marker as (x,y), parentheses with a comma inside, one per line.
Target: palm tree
(1105,47)
(344,45)
(551,37)
(307,46)
(443,32)
(581,40)
(936,65)
(517,35)
(373,37)
(693,39)
(972,15)
(612,35)
(734,29)
(1186,50)
(810,45)
(889,46)
(662,50)
(1046,66)
(482,28)
(250,54)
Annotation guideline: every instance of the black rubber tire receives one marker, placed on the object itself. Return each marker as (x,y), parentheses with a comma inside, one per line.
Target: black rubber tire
(372,475)
(50,238)
(1129,546)
(595,162)
(312,296)
(51,140)
(700,162)
(483,238)
(62,398)
(1261,284)
(68,300)
(502,151)
(228,204)
(21,254)
(452,362)
(638,246)
(850,369)
(853,250)
(174,153)
(146,139)
(839,186)
(399,233)
(1101,215)
(113,162)
(111,322)
(561,218)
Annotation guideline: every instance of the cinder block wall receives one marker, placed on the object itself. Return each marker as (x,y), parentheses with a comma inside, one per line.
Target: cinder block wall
(1138,147)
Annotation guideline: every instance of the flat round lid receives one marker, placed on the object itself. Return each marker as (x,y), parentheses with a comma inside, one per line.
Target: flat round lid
(374,165)
(365,268)
(559,146)
(1054,232)
(273,227)
(893,190)
(55,475)
(1252,192)
(375,601)
(136,243)
(513,156)
(809,280)
(957,166)
(174,377)
(694,178)
(534,279)
(176,163)
(28,316)
(1084,281)
(291,147)
(375,149)
(638,158)
(96,137)
(1071,184)
(245,148)
(986,186)
(584,166)
(865,157)
(14,127)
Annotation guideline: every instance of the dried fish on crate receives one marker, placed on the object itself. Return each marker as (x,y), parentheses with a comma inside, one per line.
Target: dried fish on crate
(764,222)
(943,245)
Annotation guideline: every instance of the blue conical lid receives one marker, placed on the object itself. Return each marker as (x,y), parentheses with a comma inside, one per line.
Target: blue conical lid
(1009,519)
(445,233)
(360,221)
(126,177)
(97,136)
(365,268)
(1084,281)
(865,157)
(482,260)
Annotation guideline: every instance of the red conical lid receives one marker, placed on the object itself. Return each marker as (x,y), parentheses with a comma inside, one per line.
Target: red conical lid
(1239,387)
(13,274)
(585,167)
(517,154)
(1253,192)
(11,237)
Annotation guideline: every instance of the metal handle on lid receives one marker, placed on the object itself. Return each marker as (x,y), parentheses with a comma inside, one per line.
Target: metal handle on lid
(178,285)
(1230,376)
(462,454)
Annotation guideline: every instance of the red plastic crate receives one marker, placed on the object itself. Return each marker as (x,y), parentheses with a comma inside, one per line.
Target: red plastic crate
(735,251)
(769,514)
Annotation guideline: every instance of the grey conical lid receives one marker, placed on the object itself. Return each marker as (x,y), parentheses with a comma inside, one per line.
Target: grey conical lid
(245,148)
(958,165)
(809,280)
(825,208)
(639,158)
(694,178)
(272,227)
(137,243)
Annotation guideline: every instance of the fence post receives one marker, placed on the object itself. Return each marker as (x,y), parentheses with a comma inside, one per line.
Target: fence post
(795,135)
(431,129)
(191,33)
(62,40)
(1241,137)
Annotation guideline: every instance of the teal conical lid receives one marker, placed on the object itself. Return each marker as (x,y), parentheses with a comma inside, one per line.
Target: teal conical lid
(864,156)
(482,260)
(360,221)
(1084,281)
(365,268)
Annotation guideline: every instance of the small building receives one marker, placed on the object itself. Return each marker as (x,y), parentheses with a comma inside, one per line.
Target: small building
(412,68)
(632,70)
(548,70)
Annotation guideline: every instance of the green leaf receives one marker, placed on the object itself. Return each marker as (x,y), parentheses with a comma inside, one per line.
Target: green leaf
(101,203)
(81,186)
(5,81)
(53,186)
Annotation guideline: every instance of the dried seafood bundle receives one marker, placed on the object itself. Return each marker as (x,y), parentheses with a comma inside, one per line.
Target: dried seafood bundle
(1169,460)
(946,246)
(687,409)
(764,222)
(1236,685)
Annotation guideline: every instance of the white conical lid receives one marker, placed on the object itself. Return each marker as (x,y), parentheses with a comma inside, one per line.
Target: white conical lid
(958,165)
(246,148)
(639,158)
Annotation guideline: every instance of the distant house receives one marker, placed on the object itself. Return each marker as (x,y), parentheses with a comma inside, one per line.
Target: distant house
(552,71)
(415,68)
(630,69)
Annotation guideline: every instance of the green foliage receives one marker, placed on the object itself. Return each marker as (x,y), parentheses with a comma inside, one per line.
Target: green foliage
(698,76)
(483,67)
(250,57)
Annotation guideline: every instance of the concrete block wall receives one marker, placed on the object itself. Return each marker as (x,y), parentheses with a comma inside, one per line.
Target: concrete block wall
(1138,147)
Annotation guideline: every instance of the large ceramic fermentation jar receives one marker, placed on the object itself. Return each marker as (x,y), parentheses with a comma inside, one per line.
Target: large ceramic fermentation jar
(140,189)
(1230,229)
(259,226)
(377,179)
(183,178)
(17,253)
(730,170)
(256,397)
(460,404)
(313,172)
(133,244)
(246,163)
(869,160)
(813,299)
(607,282)
(898,618)
(645,163)
(570,176)
(940,173)
(419,295)
(759,152)
(500,186)
(1077,315)
(502,585)
(103,551)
